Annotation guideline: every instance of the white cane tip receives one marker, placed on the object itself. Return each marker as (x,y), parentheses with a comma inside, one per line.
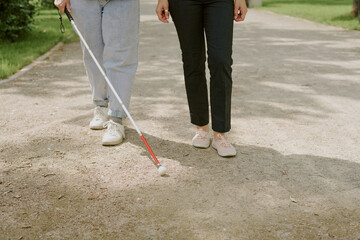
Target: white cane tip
(162,170)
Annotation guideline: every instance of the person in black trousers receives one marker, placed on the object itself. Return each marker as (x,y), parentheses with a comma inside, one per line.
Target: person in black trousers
(215,18)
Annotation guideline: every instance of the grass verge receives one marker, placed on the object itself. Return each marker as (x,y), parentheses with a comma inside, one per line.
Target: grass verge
(329,12)
(45,34)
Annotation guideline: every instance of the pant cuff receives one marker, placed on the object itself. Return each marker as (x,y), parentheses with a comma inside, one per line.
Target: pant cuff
(198,121)
(220,129)
(117,113)
(101,103)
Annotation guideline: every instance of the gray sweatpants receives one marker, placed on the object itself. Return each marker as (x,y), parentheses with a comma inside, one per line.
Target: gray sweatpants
(111,29)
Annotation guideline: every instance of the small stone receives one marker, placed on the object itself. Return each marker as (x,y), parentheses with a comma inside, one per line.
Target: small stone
(293,199)
(48,174)
(26,164)
(330,235)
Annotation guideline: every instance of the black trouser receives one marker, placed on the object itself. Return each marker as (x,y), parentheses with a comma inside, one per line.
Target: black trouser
(191,18)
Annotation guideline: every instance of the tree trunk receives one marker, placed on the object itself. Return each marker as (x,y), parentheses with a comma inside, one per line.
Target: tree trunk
(358,10)
(355,8)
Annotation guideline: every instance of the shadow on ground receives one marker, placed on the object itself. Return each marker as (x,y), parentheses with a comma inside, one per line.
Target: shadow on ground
(275,196)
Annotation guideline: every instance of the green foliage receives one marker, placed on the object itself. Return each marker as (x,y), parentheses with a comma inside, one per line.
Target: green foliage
(43,4)
(44,35)
(15,18)
(47,3)
(330,12)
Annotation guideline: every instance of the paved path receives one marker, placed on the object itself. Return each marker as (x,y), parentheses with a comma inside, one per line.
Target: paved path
(296,126)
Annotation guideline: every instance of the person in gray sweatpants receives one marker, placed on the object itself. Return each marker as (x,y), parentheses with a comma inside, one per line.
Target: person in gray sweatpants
(111,29)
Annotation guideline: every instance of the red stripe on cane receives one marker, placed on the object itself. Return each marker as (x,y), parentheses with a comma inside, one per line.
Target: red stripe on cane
(151,152)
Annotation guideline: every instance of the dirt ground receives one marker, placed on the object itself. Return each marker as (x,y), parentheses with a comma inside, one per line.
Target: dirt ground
(295,125)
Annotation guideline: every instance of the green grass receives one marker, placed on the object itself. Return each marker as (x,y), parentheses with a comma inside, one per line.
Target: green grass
(330,12)
(45,34)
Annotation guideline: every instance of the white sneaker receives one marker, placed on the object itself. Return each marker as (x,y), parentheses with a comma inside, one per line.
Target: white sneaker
(223,148)
(100,117)
(114,133)
(201,139)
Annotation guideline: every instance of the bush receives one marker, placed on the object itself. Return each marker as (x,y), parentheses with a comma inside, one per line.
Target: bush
(47,3)
(15,18)
(43,4)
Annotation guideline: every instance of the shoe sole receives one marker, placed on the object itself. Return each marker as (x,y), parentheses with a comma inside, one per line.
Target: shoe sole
(97,127)
(230,155)
(202,147)
(112,143)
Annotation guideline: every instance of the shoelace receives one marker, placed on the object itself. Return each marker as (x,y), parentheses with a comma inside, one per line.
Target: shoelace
(222,141)
(113,128)
(202,134)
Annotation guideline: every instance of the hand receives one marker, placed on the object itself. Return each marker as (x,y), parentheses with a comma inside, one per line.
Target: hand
(240,10)
(162,11)
(61,4)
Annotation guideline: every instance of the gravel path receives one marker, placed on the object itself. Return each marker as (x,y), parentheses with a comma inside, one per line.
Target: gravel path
(296,127)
